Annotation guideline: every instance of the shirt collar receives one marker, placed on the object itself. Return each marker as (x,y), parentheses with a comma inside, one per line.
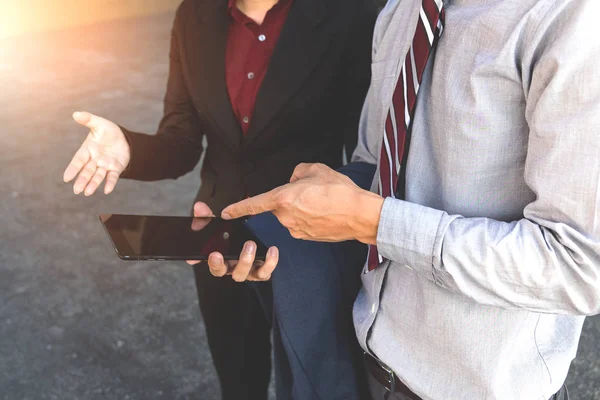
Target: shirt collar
(231,7)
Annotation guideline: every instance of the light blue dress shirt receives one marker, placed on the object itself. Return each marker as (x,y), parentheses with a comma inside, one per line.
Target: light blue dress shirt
(495,254)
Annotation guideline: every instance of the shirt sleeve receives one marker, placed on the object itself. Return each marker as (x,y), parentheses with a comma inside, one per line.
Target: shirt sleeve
(177,146)
(548,261)
(368,143)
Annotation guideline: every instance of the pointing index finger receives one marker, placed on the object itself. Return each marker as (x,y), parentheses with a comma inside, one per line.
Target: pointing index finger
(252,206)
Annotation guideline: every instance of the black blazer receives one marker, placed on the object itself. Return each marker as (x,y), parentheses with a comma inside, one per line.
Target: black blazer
(307,107)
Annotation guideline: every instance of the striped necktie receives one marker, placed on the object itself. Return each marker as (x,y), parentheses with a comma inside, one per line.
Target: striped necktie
(396,134)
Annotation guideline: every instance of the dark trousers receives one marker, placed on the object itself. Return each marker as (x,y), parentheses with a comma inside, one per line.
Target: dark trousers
(317,355)
(238,335)
(379,392)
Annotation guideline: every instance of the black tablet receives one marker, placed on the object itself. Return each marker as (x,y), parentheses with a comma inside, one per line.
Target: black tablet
(146,237)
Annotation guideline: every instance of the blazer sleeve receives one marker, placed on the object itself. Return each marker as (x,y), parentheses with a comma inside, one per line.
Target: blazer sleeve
(177,146)
(357,71)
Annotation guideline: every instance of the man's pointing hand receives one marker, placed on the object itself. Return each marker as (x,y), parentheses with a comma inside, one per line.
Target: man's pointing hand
(318,204)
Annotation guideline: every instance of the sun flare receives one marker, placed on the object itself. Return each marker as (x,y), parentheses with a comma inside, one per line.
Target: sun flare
(19,17)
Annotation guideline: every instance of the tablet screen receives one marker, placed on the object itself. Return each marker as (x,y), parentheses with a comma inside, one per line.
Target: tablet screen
(144,237)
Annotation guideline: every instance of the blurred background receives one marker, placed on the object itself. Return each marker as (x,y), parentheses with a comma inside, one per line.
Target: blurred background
(75,322)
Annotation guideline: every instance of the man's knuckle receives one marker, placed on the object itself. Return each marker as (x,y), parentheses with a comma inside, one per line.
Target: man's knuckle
(250,208)
(298,168)
(284,200)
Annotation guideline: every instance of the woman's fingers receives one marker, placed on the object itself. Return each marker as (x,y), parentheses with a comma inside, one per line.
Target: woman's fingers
(246,268)
(245,263)
(199,223)
(202,210)
(96,180)
(217,265)
(81,157)
(111,181)
(263,272)
(86,174)
(92,171)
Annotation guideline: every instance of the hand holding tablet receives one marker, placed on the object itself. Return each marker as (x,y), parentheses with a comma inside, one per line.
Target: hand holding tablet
(246,267)
(229,246)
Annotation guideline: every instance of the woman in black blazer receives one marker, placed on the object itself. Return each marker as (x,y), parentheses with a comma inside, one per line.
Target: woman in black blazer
(306,110)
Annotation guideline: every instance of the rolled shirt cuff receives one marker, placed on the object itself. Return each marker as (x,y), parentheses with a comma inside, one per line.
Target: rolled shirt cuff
(409,234)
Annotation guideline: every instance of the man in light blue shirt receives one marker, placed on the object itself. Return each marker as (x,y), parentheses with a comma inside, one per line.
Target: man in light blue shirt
(492,260)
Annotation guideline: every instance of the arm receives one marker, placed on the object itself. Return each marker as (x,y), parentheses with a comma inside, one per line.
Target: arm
(177,146)
(549,261)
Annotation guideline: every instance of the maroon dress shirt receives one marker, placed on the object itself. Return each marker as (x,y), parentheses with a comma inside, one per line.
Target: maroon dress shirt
(249,50)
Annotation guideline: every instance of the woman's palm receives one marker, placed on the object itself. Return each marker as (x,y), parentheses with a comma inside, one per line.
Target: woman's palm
(103,155)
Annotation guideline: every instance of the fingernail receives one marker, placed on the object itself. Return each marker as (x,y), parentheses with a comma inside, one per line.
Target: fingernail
(217,261)
(225,216)
(273,252)
(250,247)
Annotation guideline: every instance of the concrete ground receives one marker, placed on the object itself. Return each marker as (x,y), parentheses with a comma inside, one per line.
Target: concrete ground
(75,322)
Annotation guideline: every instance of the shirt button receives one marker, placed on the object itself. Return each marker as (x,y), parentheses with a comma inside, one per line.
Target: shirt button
(250,75)
(262,38)
(373,308)
(245,120)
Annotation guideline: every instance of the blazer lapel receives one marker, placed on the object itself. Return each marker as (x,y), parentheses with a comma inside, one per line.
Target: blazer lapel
(301,44)
(208,67)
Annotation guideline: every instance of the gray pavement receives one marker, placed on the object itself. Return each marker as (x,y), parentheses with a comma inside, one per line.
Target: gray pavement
(75,322)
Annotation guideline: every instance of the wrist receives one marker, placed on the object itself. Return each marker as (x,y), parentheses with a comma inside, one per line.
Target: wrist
(125,150)
(364,222)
